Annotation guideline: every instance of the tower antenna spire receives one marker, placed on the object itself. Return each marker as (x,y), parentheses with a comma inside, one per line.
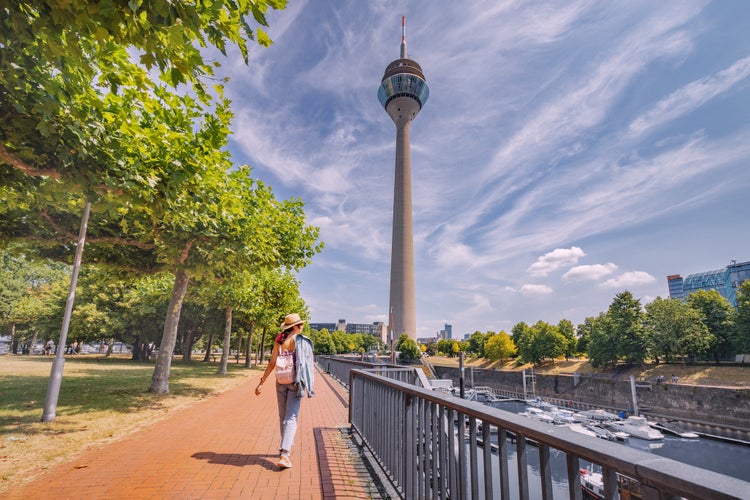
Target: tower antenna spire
(403,37)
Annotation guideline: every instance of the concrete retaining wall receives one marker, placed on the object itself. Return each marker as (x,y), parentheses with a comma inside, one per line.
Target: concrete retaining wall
(705,405)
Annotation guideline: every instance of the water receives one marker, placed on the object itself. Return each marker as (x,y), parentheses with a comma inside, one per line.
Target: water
(724,458)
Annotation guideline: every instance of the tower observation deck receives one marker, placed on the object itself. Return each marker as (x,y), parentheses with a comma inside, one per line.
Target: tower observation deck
(403,91)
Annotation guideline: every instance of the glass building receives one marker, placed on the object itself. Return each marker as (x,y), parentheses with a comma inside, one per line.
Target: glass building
(726,281)
(675,286)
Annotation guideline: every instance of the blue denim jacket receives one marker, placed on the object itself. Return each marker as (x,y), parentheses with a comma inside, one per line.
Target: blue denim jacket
(305,373)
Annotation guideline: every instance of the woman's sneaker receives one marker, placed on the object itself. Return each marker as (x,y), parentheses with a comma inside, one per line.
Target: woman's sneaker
(284,462)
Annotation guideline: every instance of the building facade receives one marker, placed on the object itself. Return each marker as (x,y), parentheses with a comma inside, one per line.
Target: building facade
(377,329)
(726,281)
(447,332)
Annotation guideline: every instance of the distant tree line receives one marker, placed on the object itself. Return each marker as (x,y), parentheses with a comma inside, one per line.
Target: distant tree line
(705,326)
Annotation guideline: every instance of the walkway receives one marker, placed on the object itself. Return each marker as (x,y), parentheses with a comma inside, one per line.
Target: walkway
(223,447)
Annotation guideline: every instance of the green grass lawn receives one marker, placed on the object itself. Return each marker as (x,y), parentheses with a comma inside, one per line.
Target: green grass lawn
(101,399)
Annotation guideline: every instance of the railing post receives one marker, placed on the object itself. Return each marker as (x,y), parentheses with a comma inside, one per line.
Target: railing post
(522,462)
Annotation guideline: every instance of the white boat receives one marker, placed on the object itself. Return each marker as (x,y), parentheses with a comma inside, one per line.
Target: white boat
(592,485)
(674,429)
(538,414)
(601,432)
(565,416)
(581,429)
(539,403)
(599,415)
(638,427)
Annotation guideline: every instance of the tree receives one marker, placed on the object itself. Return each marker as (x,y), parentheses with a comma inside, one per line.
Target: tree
(602,344)
(142,310)
(476,343)
(499,346)
(674,328)
(408,348)
(29,290)
(626,323)
(448,347)
(323,342)
(741,339)
(65,62)
(584,335)
(565,327)
(718,315)
(541,341)
(95,123)
(517,331)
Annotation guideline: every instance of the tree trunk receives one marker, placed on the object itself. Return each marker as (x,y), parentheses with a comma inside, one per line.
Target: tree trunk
(227,341)
(160,378)
(137,349)
(33,341)
(249,348)
(187,347)
(261,347)
(13,339)
(239,347)
(207,357)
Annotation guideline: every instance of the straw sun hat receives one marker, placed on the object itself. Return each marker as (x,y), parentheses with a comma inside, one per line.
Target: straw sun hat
(290,320)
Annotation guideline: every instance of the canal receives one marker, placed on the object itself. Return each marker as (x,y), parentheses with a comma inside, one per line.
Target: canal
(718,456)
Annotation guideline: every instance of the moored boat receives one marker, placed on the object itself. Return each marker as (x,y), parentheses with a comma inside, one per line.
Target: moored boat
(581,429)
(598,415)
(600,431)
(538,414)
(638,427)
(592,485)
(674,429)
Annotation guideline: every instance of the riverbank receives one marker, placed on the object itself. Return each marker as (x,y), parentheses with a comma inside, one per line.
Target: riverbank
(713,400)
(704,374)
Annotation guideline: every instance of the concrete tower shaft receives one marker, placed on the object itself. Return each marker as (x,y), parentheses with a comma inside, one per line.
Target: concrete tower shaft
(403,91)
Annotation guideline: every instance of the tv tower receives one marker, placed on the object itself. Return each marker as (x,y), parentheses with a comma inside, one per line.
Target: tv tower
(403,91)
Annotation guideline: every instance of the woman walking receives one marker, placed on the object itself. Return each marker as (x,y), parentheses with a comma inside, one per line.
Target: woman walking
(292,361)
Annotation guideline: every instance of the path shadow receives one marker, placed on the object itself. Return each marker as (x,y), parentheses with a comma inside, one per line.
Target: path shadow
(238,459)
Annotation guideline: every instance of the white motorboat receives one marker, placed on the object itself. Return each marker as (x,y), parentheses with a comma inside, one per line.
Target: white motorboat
(598,415)
(600,431)
(538,414)
(581,429)
(638,426)
(672,428)
(564,416)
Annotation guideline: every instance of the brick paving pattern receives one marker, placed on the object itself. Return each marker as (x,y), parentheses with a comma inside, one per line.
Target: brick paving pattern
(223,447)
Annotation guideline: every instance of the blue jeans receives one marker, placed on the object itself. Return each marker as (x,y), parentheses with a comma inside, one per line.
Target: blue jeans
(289,401)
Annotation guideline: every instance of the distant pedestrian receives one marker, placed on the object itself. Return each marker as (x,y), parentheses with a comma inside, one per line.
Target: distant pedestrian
(48,347)
(675,378)
(293,364)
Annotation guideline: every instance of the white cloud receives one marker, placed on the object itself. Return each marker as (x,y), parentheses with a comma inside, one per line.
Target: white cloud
(531,289)
(592,272)
(691,96)
(554,260)
(629,279)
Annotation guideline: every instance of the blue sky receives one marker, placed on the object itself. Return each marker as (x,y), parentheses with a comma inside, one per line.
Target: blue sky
(568,151)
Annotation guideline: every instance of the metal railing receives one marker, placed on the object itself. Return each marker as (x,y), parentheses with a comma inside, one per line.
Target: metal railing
(433,446)
(341,367)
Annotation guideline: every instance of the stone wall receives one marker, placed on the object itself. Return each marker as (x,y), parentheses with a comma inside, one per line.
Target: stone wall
(726,407)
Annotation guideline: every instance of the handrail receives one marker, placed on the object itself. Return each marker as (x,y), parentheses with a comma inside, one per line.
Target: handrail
(410,431)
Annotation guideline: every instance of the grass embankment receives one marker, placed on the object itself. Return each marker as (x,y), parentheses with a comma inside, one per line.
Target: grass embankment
(101,400)
(734,376)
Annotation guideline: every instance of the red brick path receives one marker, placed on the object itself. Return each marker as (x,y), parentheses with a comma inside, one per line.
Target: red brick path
(223,447)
